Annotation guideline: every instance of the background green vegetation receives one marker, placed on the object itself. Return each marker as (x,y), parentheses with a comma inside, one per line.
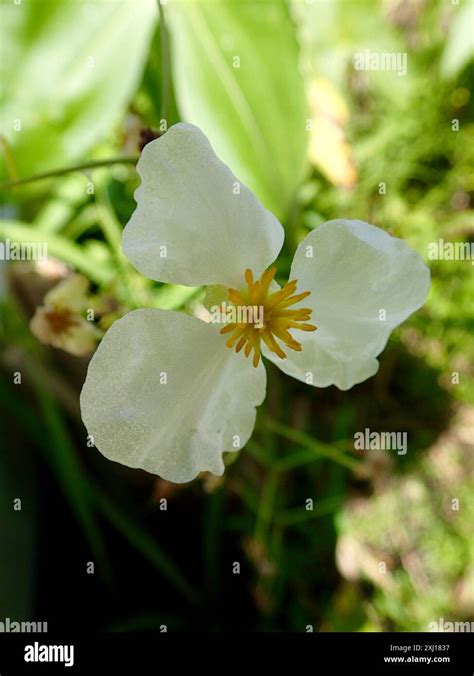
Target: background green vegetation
(299,567)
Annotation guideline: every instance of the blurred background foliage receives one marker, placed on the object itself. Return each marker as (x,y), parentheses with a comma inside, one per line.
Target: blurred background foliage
(274,87)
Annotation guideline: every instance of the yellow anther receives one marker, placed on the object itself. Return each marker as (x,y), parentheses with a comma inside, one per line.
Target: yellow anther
(275,309)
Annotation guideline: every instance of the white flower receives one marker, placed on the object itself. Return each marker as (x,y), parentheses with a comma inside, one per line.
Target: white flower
(58,322)
(163,391)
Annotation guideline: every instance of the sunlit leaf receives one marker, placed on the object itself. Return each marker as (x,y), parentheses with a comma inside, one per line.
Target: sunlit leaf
(68,69)
(459,48)
(93,259)
(237,77)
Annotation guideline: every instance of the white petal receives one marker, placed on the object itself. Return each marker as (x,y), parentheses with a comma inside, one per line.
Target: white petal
(315,366)
(195,223)
(176,428)
(70,293)
(78,337)
(363,283)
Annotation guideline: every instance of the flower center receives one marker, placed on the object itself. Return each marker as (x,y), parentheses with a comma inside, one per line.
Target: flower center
(60,321)
(275,310)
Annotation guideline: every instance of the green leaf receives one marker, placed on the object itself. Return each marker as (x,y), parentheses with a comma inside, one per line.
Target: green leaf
(93,260)
(69,69)
(236,76)
(174,296)
(459,48)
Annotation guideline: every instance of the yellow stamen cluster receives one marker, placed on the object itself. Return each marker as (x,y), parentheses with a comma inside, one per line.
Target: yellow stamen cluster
(278,318)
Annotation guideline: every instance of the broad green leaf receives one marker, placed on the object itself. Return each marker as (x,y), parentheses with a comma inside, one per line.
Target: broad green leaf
(459,48)
(92,259)
(68,69)
(237,77)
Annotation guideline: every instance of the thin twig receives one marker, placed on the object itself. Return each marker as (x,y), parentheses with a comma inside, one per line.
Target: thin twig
(94,164)
(319,448)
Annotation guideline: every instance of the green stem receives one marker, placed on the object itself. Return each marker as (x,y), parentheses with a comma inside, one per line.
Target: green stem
(93,164)
(111,230)
(165,63)
(296,515)
(9,159)
(266,506)
(259,453)
(317,447)
(113,234)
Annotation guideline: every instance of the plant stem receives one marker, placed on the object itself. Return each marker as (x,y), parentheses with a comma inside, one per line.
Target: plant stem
(296,515)
(165,63)
(9,159)
(317,447)
(93,164)
(266,507)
